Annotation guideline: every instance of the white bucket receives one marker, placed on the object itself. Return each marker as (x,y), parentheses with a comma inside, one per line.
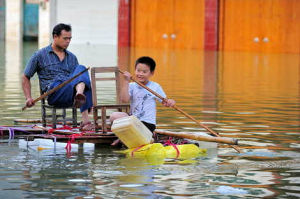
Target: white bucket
(131,131)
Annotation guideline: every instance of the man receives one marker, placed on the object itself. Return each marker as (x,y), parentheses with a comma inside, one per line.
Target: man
(54,64)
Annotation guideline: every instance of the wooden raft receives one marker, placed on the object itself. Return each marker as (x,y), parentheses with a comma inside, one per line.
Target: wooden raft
(31,132)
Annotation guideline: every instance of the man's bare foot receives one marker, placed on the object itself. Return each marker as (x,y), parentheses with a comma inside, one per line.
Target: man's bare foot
(88,126)
(79,100)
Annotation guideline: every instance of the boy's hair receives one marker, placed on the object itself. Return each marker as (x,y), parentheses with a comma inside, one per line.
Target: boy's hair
(146,60)
(60,27)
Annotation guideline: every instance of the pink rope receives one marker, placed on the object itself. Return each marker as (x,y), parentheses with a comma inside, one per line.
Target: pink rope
(137,148)
(169,143)
(71,140)
(65,127)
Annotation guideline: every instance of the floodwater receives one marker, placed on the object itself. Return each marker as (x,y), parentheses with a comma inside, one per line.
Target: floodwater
(253,97)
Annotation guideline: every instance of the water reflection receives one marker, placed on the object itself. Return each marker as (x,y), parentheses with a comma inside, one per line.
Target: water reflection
(103,173)
(253,97)
(13,56)
(14,59)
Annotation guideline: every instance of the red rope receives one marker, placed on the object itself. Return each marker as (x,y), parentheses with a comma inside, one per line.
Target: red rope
(137,148)
(169,143)
(72,140)
(65,127)
(71,137)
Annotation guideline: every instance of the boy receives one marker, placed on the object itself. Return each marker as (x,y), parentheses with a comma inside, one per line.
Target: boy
(142,102)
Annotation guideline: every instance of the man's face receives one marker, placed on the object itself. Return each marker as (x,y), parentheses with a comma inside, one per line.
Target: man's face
(63,40)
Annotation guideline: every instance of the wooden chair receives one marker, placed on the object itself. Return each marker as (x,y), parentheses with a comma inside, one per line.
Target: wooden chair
(102,75)
(54,118)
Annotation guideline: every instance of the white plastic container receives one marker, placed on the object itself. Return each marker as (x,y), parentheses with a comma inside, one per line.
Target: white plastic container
(131,131)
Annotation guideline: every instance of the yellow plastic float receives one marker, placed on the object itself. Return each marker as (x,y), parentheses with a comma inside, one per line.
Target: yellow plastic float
(156,149)
(138,138)
(184,151)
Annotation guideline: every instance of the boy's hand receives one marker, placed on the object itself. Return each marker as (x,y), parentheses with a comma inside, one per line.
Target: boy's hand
(127,76)
(168,102)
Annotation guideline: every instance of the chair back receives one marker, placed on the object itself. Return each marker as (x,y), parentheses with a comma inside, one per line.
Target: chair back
(107,79)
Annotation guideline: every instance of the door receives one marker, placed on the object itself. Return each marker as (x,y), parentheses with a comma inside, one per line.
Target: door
(188,31)
(167,24)
(260,25)
(2,19)
(31,21)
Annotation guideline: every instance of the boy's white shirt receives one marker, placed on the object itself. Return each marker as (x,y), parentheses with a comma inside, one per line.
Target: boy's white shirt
(143,103)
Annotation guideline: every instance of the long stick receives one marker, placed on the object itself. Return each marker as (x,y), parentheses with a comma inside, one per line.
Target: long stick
(56,88)
(194,136)
(178,109)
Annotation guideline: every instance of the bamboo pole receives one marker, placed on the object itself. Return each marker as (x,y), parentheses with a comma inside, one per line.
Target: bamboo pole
(56,88)
(180,110)
(194,136)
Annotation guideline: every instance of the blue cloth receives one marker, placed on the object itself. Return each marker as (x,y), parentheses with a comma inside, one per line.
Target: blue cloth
(52,72)
(64,97)
(49,68)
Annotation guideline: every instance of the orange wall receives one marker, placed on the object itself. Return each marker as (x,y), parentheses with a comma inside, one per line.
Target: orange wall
(244,25)
(260,25)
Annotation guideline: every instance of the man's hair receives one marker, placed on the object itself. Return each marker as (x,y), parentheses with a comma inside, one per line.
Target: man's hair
(146,60)
(59,27)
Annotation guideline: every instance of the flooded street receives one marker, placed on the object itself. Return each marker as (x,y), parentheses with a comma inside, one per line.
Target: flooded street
(253,97)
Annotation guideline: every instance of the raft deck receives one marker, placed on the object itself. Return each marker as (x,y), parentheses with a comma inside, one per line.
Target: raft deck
(31,132)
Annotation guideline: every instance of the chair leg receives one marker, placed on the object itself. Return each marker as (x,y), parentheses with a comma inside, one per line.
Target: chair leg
(54,118)
(64,116)
(103,118)
(127,109)
(74,116)
(95,115)
(44,113)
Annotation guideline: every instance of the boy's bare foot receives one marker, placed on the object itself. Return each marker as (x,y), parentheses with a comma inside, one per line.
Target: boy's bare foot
(116,142)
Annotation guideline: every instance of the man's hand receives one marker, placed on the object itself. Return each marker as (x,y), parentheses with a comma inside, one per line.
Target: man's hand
(27,91)
(29,102)
(168,102)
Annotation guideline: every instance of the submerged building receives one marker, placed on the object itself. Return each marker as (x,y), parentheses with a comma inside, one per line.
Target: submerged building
(248,25)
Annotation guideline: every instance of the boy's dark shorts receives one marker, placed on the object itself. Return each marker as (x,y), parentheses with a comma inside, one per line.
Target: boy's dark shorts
(151,127)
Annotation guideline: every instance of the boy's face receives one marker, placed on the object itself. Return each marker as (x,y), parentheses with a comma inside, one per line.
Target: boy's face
(143,73)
